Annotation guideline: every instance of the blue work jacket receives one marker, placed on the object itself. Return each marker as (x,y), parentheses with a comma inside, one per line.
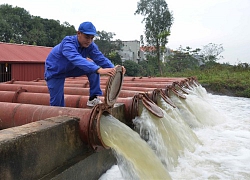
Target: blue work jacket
(69,55)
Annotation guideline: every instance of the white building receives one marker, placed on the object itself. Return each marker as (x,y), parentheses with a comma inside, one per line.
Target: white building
(130,51)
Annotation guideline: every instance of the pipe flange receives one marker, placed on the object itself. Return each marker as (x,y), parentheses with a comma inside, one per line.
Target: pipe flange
(113,87)
(184,83)
(177,86)
(167,99)
(94,133)
(172,89)
(150,105)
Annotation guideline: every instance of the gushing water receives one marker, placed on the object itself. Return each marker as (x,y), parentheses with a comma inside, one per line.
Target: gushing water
(225,149)
(168,137)
(196,111)
(210,137)
(135,158)
(181,127)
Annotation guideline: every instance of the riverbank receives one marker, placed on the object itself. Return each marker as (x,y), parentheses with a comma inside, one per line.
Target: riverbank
(222,91)
(221,79)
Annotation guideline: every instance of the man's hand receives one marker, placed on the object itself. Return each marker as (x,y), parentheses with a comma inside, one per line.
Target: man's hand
(123,69)
(108,71)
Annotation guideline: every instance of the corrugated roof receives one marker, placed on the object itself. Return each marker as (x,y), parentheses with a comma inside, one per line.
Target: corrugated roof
(21,53)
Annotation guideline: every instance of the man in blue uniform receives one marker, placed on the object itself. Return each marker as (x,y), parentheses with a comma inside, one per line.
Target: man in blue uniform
(76,56)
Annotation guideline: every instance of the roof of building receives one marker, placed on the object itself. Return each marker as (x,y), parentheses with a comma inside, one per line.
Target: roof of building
(21,53)
(147,48)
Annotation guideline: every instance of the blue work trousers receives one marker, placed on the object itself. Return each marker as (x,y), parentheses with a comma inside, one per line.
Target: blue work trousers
(56,86)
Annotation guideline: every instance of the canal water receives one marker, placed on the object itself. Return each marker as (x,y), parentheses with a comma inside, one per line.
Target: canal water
(211,142)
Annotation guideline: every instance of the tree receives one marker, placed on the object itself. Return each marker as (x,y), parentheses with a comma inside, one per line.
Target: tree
(15,24)
(105,43)
(115,58)
(211,53)
(132,68)
(149,67)
(108,47)
(183,59)
(18,26)
(158,21)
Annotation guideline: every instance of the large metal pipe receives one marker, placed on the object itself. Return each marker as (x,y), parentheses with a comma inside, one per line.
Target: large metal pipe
(133,79)
(74,101)
(175,86)
(43,83)
(67,90)
(24,97)
(42,89)
(142,82)
(149,85)
(126,92)
(16,114)
(84,84)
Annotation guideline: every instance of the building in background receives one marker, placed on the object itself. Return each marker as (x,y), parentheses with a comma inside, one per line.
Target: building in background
(130,51)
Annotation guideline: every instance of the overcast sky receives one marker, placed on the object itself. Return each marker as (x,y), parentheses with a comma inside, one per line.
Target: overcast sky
(196,22)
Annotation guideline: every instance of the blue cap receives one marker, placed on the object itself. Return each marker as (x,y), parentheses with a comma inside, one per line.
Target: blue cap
(87,28)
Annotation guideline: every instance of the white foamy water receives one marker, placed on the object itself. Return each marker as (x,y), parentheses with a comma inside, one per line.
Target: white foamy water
(224,148)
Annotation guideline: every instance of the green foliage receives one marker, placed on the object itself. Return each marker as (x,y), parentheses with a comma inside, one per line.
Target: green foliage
(147,69)
(105,42)
(18,26)
(115,58)
(158,21)
(183,59)
(108,47)
(132,68)
(221,78)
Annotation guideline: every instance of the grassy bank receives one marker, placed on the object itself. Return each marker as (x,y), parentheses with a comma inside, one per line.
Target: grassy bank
(222,79)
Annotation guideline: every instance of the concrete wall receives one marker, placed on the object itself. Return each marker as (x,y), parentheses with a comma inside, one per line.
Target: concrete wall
(51,149)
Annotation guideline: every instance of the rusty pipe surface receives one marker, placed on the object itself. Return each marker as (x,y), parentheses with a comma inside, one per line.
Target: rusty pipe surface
(175,87)
(129,78)
(85,84)
(24,97)
(148,85)
(42,89)
(74,101)
(30,88)
(43,83)
(128,82)
(16,114)
(67,90)
(77,85)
